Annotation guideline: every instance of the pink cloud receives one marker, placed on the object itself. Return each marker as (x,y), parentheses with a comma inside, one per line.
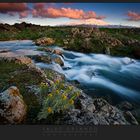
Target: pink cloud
(91,21)
(23,14)
(46,11)
(133,16)
(51,12)
(15,8)
(39,6)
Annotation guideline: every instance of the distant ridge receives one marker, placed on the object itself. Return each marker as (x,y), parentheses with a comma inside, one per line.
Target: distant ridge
(101,26)
(25,24)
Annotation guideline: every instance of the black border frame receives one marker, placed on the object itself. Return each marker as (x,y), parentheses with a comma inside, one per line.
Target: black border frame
(43,132)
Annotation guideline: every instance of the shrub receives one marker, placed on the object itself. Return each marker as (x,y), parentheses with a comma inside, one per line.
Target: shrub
(60,98)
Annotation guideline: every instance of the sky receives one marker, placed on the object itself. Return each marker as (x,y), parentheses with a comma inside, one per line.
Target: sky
(71,13)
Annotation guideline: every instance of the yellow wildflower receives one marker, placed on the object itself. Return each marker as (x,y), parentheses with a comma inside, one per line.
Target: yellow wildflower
(70,87)
(42,84)
(62,85)
(64,97)
(49,110)
(77,94)
(56,81)
(71,102)
(57,92)
(50,95)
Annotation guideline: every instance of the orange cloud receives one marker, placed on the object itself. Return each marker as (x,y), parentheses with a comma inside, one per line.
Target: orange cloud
(133,16)
(52,12)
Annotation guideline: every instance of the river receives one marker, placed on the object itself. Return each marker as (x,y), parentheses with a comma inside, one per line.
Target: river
(115,78)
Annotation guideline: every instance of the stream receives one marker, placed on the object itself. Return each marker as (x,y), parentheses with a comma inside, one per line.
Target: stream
(99,75)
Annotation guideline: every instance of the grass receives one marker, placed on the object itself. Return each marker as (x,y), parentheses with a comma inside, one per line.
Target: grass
(96,45)
(12,74)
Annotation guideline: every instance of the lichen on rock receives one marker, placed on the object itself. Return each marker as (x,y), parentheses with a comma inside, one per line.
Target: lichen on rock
(13,108)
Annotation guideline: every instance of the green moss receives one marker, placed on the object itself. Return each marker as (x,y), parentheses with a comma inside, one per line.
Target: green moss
(12,74)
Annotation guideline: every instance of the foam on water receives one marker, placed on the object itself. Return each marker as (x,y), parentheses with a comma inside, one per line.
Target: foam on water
(100,73)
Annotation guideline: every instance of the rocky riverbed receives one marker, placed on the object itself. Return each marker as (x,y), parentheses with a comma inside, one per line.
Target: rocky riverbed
(20,81)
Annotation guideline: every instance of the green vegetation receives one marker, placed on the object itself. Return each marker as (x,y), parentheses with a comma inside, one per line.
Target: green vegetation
(52,99)
(13,74)
(118,41)
(59,98)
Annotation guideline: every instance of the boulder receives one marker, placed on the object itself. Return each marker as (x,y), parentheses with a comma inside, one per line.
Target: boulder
(58,60)
(42,58)
(17,59)
(58,52)
(45,41)
(94,112)
(12,107)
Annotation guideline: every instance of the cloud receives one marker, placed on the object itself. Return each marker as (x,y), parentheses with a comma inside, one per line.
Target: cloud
(91,21)
(23,14)
(40,10)
(133,16)
(14,8)
(46,10)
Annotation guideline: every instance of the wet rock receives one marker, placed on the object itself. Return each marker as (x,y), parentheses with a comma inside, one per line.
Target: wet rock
(58,52)
(136,114)
(107,51)
(94,112)
(45,41)
(12,107)
(125,106)
(42,58)
(130,118)
(58,60)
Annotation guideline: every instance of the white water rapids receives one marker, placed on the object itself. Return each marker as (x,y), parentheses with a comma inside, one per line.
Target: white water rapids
(98,74)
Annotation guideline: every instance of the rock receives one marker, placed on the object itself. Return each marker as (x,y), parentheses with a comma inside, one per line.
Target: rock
(44,41)
(58,60)
(66,42)
(91,108)
(130,118)
(94,112)
(12,107)
(42,58)
(74,31)
(23,60)
(18,59)
(107,51)
(58,52)
(125,106)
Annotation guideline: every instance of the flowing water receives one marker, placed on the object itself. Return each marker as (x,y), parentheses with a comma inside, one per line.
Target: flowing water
(99,75)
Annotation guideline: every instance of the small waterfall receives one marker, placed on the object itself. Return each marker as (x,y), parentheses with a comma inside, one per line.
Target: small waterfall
(98,74)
